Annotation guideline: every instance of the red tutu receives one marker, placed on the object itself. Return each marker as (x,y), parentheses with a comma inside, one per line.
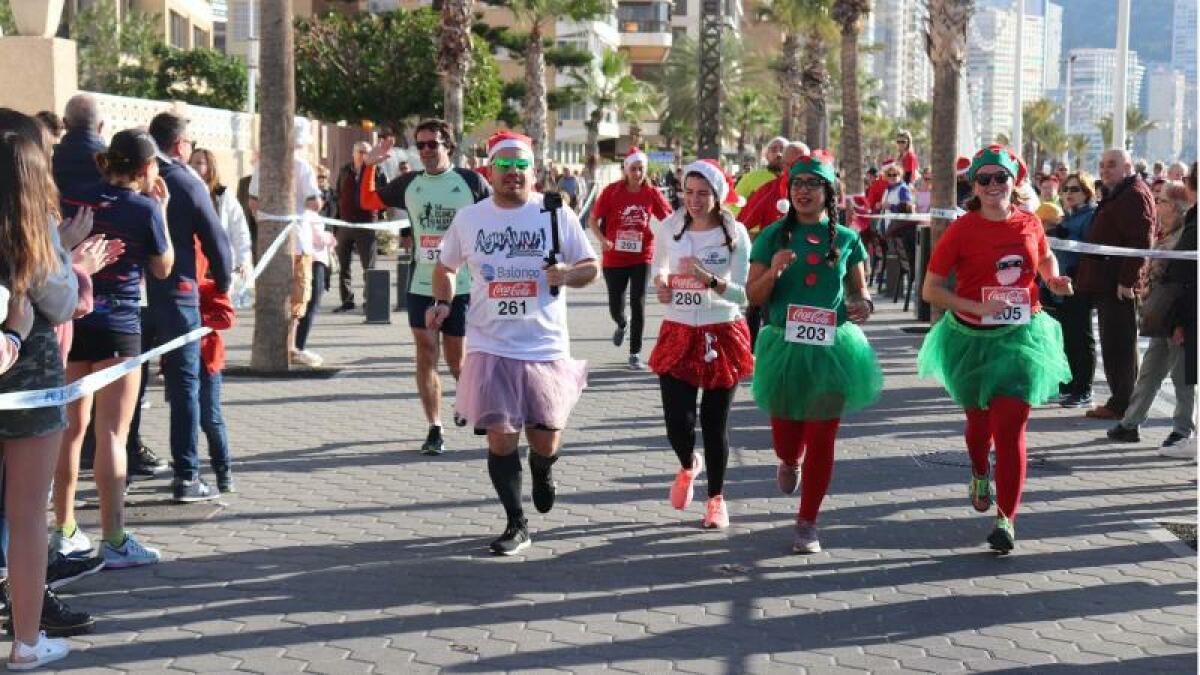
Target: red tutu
(681,349)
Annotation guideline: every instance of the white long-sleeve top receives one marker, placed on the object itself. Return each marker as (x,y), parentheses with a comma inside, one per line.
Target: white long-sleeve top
(702,306)
(233,220)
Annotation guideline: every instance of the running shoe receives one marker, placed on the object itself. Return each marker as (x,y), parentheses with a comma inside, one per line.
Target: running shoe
(980,492)
(188,491)
(459,420)
(131,553)
(1002,539)
(514,540)
(681,489)
(58,620)
(716,514)
(76,545)
(1076,400)
(1185,449)
(1175,438)
(145,464)
(1123,434)
(635,362)
(63,570)
(806,540)
(307,358)
(619,336)
(787,476)
(541,470)
(29,657)
(225,482)
(433,445)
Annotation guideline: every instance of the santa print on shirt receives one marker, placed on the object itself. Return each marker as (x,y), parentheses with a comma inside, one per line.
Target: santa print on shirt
(984,253)
(626,218)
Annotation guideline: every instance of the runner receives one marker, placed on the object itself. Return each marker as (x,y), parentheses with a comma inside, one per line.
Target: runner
(813,364)
(700,270)
(519,372)
(625,207)
(431,197)
(996,352)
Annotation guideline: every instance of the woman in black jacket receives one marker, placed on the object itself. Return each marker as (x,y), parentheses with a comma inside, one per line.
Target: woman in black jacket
(1183,314)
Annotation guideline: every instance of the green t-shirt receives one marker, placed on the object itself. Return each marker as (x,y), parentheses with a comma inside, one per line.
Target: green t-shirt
(432,202)
(809,280)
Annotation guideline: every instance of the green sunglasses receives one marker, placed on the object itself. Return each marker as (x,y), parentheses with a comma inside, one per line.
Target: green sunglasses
(505,164)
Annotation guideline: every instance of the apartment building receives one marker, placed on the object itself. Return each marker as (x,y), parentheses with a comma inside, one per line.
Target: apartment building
(185,24)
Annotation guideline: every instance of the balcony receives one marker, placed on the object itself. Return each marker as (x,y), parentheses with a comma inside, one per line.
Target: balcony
(645,29)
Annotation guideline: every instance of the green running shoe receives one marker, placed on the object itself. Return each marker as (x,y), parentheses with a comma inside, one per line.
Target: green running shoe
(1002,539)
(980,491)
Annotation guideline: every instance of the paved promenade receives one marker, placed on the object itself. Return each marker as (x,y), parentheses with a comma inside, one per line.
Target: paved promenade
(346,551)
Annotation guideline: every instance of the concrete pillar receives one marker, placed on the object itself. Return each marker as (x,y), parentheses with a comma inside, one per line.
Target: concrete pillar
(37,73)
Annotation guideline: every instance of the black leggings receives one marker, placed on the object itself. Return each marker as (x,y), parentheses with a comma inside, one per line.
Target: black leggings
(617,278)
(679,410)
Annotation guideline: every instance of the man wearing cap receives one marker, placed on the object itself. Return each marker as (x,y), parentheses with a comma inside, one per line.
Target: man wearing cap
(518,373)
(621,223)
(432,197)
(175,299)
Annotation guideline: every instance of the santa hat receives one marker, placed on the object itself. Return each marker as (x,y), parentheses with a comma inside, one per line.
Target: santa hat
(886,164)
(721,182)
(634,155)
(819,163)
(502,140)
(961,165)
(998,155)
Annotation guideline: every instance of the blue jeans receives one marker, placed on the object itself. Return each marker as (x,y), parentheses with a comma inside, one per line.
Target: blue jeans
(181,370)
(212,422)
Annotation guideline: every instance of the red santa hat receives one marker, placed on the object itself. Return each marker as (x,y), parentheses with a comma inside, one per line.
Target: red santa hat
(721,182)
(634,155)
(508,139)
(962,165)
(886,164)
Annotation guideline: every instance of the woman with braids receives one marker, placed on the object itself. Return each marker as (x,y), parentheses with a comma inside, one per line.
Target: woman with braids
(995,351)
(699,268)
(813,364)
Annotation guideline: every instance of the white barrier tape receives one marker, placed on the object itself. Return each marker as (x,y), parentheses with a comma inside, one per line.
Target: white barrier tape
(392,226)
(1100,249)
(45,398)
(269,253)
(918,217)
(948,214)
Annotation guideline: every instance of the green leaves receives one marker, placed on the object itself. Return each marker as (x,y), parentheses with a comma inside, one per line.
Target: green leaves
(202,77)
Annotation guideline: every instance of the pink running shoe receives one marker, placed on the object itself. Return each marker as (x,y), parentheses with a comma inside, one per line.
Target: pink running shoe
(716,516)
(681,489)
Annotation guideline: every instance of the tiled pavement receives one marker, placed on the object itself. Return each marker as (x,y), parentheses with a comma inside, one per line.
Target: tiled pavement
(347,551)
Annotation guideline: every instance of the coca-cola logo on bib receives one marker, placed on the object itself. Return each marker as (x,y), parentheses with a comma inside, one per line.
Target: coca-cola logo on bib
(512,289)
(801,314)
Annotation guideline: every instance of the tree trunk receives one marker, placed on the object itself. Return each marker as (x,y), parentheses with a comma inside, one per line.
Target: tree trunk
(947,46)
(454,60)
(741,144)
(272,337)
(852,149)
(815,84)
(635,133)
(593,144)
(791,86)
(535,95)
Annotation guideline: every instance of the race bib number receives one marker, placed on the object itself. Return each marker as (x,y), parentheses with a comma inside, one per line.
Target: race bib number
(686,291)
(1019,311)
(811,325)
(512,300)
(429,247)
(628,241)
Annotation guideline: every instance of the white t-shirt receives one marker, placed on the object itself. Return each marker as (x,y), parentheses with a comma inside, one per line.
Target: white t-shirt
(691,303)
(512,313)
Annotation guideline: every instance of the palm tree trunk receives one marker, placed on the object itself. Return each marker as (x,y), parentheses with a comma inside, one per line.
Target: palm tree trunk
(815,85)
(454,60)
(635,133)
(948,21)
(535,95)
(791,86)
(272,334)
(852,149)
(593,144)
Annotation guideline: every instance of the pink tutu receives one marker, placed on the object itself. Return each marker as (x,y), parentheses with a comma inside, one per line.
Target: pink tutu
(502,394)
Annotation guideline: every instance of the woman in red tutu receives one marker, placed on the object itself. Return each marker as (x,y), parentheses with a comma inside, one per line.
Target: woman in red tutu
(700,267)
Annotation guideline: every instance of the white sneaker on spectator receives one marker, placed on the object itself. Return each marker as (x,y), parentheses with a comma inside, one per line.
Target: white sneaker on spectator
(308,358)
(75,545)
(1183,450)
(129,554)
(28,657)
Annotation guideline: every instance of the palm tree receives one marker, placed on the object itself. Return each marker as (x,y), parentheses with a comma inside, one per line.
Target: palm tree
(537,15)
(1077,145)
(454,60)
(638,107)
(789,16)
(677,83)
(272,334)
(819,31)
(1039,119)
(947,46)
(1136,123)
(849,15)
(749,113)
(608,87)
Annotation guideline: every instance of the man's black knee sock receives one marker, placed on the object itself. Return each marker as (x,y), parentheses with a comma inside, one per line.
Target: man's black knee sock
(505,472)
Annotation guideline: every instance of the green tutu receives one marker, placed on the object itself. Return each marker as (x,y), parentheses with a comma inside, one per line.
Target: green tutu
(976,365)
(808,382)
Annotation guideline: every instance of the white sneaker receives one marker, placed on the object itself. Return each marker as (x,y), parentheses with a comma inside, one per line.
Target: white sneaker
(77,544)
(308,358)
(130,554)
(27,657)
(1182,450)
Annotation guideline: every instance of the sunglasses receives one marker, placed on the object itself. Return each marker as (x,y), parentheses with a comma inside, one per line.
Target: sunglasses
(506,165)
(1071,188)
(809,183)
(997,178)
(428,145)
(891,175)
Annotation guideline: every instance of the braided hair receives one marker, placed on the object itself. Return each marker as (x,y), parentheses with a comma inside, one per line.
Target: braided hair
(717,213)
(792,222)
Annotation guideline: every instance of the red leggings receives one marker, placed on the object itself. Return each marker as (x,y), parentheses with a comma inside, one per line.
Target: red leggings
(1003,422)
(813,441)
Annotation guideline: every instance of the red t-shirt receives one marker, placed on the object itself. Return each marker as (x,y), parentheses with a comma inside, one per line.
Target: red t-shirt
(909,163)
(762,208)
(626,217)
(987,254)
(875,192)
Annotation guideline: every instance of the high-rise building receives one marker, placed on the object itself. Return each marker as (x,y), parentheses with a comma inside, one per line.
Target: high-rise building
(1183,59)
(1093,91)
(901,66)
(1165,92)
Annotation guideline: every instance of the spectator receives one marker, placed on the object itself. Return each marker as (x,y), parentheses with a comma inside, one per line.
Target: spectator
(1177,171)
(1140,168)
(906,156)
(1125,217)
(1162,356)
(1049,211)
(963,191)
(1183,312)
(217,313)
(1061,170)
(233,218)
(52,123)
(1075,311)
(75,155)
(772,166)
(1158,172)
(243,197)
(329,195)
(351,210)
(175,300)
(569,186)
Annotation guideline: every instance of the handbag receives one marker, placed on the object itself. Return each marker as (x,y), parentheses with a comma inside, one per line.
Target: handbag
(1154,320)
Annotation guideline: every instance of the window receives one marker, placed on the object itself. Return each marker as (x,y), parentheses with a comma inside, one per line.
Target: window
(199,39)
(179,30)
(681,7)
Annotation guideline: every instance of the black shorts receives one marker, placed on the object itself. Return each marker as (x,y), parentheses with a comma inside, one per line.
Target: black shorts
(99,344)
(455,325)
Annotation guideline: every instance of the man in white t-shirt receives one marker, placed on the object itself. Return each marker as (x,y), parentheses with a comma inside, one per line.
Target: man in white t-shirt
(518,373)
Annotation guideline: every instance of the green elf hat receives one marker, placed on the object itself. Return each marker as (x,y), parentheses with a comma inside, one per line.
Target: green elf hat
(998,155)
(819,163)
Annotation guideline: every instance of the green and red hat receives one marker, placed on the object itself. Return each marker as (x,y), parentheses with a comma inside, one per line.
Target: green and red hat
(998,155)
(818,163)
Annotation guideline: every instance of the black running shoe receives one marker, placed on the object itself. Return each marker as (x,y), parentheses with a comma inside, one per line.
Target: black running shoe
(459,420)
(58,620)
(433,445)
(344,307)
(1123,434)
(62,570)
(514,540)
(619,336)
(145,464)
(541,470)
